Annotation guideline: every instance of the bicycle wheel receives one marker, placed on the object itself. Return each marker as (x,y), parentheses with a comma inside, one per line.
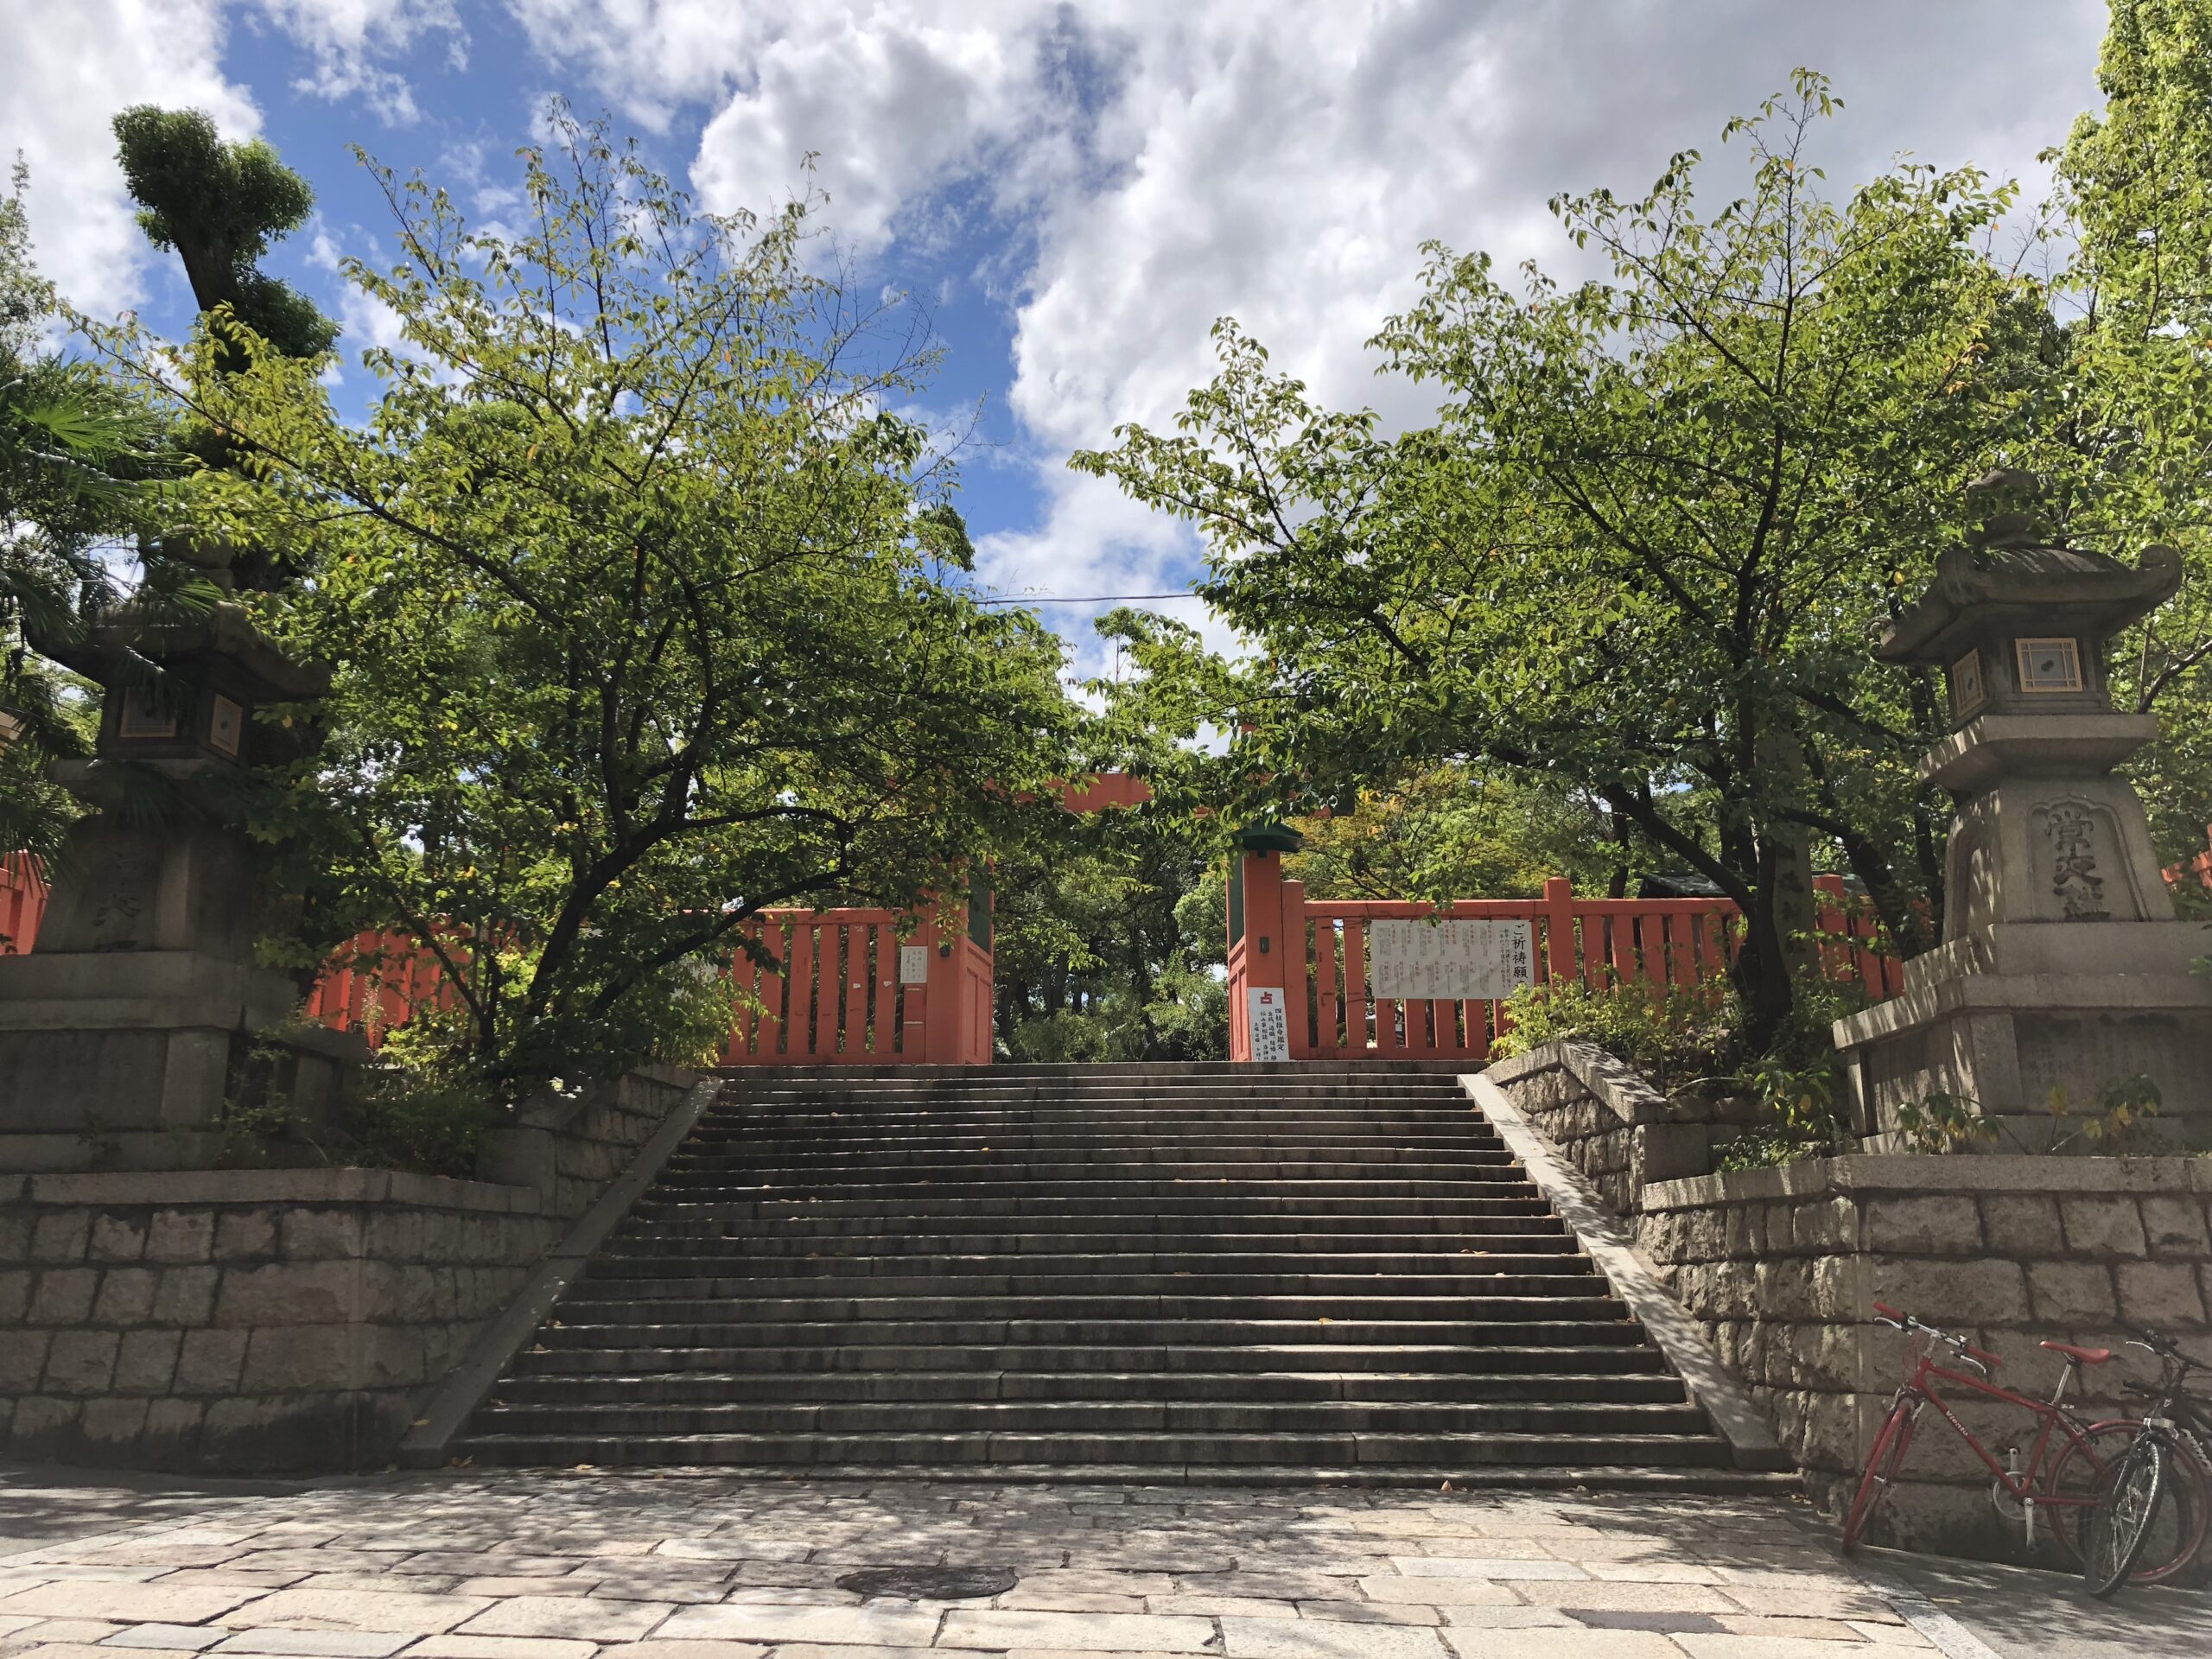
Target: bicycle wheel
(1882,1463)
(2079,1473)
(2120,1526)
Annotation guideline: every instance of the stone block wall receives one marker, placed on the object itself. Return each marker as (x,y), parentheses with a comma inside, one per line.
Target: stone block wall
(1782,1266)
(1617,1129)
(248,1320)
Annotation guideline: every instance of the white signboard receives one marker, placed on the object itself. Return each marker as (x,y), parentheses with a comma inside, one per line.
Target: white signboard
(1264,1017)
(913,964)
(1461,961)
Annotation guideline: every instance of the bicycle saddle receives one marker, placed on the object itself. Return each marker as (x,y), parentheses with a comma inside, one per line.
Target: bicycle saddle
(2086,1355)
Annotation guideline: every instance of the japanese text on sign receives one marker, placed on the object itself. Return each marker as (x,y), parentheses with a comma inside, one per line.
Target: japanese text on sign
(1264,1019)
(1450,961)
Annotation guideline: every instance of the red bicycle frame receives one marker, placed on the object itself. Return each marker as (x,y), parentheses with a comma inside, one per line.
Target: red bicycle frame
(2021,1484)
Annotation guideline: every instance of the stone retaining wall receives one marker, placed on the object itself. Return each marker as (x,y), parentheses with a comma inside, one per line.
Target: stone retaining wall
(1617,1131)
(1782,1266)
(278,1318)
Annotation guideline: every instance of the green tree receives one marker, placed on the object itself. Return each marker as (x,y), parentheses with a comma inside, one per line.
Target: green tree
(2129,419)
(1111,934)
(220,205)
(1444,832)
(1642,549)
(77,461)
(633,588)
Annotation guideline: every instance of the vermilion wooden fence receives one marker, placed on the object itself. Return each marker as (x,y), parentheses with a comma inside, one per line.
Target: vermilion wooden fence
(1316,950)
(23,902)
(840,1002)
(843,1000)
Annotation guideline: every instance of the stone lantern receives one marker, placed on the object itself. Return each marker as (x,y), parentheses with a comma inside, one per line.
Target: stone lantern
(2062,966)
(140,1018)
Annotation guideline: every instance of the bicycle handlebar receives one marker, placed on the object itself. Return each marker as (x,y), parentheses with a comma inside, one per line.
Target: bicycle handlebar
(1904,1321)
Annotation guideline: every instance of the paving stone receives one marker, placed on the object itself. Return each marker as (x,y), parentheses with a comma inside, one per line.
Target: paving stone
(390,1610)
(658,1649)
(176,1637)
(87,1650)
(1547,1641)
(503,1647)
(570,1617)
(1760,1646)
(127,1603)
(1599,1618)
(1627,1598)
(1023,1599)
(1810,1601)
(1806,1630)
(1477,1566)
(1891,1635)
(318,1644)
(1314,1638)
(857,1626)
(525,1586)
(1488,1546)
(1436,1592)
(1371,1612)
(1652,1572)
(1222,1606)
(1083,1632)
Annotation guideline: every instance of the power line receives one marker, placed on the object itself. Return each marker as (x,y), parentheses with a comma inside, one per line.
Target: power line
(1084,598)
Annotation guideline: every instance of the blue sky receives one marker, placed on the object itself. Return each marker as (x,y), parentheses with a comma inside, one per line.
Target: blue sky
(1076,190)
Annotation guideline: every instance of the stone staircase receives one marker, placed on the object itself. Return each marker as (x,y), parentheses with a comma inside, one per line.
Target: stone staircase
(1148,1273)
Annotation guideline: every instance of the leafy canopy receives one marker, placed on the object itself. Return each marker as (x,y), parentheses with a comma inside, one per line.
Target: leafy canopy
(1643,547)
(219,203)
(633,583)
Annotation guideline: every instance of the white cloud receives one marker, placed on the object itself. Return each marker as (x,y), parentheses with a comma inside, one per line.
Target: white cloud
(70,68)
(347,40)
(1148,168)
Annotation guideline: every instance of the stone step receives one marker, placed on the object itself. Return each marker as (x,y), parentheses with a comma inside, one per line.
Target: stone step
(1340,1184)
(1169,1416)
(1343,1252)
(1184,1209)
(717,1387)
(931,1452)
(1605,1323)
(1178,1297)
(743,1274)
(1334,1272)
(809,1155)
(1447,1360)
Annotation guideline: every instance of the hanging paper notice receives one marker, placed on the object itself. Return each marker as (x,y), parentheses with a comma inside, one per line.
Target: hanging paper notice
(1450,961)
(1265,1019)
(913,964)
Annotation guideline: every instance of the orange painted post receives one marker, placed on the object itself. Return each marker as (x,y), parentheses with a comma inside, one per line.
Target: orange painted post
(1297,967)
(1558,929)
(1274,945)
(1356,999)
(1327,1045)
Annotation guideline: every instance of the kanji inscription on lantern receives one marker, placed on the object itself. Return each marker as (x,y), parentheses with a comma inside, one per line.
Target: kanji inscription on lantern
(1453,960)
(1265,1017)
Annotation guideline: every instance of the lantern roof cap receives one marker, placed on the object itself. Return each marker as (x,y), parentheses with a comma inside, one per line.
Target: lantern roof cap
(2003,580)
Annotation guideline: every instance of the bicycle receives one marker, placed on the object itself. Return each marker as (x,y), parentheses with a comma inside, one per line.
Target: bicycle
(2176,1427)
(2073,1485)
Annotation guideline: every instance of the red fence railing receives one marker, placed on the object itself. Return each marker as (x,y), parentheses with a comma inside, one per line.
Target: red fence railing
(853,993)
(1316,953)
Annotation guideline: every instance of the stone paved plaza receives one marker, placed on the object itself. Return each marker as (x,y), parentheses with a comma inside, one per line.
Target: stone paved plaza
(585,1564)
